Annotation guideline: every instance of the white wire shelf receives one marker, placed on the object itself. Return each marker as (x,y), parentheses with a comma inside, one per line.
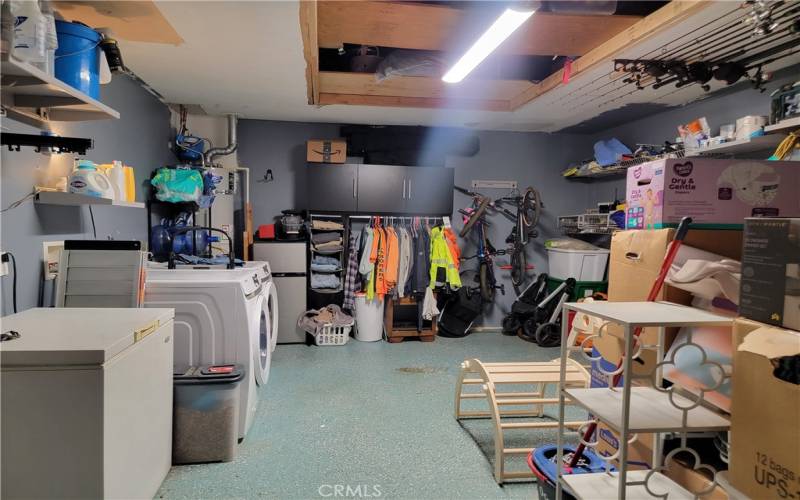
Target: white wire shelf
(651,411)
(26,90)
(74,199)
(605,485)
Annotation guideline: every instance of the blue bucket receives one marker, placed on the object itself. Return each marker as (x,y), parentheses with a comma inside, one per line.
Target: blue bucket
(78,57)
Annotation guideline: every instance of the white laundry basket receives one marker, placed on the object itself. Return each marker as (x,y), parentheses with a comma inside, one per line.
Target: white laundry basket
(369,319)
(583,265)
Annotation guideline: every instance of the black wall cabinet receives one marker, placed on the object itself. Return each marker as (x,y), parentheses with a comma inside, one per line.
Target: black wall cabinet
(380,189)
(332,188)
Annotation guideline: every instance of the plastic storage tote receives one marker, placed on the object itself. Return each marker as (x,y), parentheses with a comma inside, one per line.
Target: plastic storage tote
(206,413)
(582,288)
(369,319)
(583,265)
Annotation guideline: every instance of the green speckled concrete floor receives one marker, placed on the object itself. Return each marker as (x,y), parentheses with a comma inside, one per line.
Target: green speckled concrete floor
(372,414)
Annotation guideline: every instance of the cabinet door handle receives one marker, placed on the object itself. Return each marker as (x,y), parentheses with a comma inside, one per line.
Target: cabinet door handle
(354,187)
(409,189)
(404,189)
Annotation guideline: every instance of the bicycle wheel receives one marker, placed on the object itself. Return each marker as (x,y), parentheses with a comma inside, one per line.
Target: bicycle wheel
(487,282)
(477,214)
(518,267)
(531,208)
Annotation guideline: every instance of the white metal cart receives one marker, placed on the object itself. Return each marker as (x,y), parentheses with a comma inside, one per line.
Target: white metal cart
(629,410)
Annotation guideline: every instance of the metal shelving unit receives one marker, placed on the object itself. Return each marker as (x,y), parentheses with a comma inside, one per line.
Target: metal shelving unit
(741,146)
(33,96)
(630,410)
(787,125)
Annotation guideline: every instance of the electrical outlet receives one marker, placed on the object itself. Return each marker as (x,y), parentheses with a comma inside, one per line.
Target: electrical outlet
(3,263)
(51,254)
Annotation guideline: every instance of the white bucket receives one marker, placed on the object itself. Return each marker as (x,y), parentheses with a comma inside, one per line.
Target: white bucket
(583,265)
(369,319)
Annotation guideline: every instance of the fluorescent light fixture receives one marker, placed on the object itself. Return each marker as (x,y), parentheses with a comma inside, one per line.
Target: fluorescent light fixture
(501,29)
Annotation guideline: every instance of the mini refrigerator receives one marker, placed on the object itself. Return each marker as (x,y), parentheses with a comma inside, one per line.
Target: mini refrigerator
(287,261)
(86,402)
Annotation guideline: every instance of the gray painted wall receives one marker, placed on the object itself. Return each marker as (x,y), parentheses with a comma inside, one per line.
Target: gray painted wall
(530,158)
(719,109)
(139,138)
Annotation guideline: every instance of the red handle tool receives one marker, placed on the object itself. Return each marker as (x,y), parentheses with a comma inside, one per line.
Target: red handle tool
(680,234)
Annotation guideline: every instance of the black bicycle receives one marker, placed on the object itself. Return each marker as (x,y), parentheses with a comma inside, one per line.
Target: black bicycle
(528,207)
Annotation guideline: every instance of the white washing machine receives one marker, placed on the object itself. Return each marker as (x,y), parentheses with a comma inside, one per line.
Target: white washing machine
(270,291)
(221,317)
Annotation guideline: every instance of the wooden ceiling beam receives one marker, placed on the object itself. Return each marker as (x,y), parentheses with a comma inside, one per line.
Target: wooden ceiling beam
(660,20)
(132,20)
(308,29)
(331,82)
(414,102)
(436,27)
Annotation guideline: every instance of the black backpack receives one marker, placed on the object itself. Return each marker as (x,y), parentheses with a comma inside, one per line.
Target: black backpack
(459,312)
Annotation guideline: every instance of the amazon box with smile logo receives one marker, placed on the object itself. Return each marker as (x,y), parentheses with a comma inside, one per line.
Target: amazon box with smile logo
(716,194)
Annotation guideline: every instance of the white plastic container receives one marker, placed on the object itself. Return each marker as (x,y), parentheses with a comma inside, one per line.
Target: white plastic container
(116,175)
(29,31)
(369,319)
(89,181)
(583,265)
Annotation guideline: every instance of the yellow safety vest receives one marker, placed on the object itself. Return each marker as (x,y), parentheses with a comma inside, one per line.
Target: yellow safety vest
(442,259)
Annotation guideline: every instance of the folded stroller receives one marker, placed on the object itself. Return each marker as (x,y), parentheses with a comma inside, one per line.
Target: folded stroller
(526,305)
(543,326)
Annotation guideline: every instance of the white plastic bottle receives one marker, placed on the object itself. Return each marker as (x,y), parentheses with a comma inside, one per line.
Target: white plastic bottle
(50,38)
(29,31)
(117,177)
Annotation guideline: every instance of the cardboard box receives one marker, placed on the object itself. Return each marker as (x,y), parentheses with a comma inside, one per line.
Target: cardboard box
(715,193)
(636,257)
(765,415)
(640,452)
(326,151)
(770,290)
(694,480)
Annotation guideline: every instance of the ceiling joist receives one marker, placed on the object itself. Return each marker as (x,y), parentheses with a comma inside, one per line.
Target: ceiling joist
(435,27)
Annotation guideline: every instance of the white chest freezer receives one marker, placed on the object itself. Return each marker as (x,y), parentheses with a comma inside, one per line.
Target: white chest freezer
(86,402)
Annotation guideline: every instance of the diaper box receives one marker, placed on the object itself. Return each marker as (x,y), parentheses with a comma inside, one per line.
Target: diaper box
(717,194)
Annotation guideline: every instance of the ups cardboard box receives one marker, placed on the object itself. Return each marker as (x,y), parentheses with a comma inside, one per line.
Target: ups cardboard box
(770,289)
(765,413)
(326,151)
(636,258)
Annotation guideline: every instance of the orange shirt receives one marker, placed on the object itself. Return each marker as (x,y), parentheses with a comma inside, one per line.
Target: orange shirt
(452,245)
(392,258)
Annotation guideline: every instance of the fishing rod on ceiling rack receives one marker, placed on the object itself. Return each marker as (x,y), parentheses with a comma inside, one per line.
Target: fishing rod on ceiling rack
(726,67)
(781,13)
(612,73)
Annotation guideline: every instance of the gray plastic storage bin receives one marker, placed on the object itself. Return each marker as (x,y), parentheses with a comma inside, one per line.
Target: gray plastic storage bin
(206,419)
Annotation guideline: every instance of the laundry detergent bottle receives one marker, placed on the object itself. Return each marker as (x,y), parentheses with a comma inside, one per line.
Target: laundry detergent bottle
(87,180)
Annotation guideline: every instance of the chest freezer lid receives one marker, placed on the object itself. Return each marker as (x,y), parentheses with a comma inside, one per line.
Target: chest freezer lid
(75,336)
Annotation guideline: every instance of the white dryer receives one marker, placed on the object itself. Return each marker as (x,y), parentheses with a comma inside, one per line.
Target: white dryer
(221,317)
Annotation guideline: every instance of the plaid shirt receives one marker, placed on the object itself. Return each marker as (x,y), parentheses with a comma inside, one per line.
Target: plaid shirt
(352,280)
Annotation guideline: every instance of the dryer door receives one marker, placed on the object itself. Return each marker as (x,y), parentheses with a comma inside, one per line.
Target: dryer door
(271,293)
(262,342)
